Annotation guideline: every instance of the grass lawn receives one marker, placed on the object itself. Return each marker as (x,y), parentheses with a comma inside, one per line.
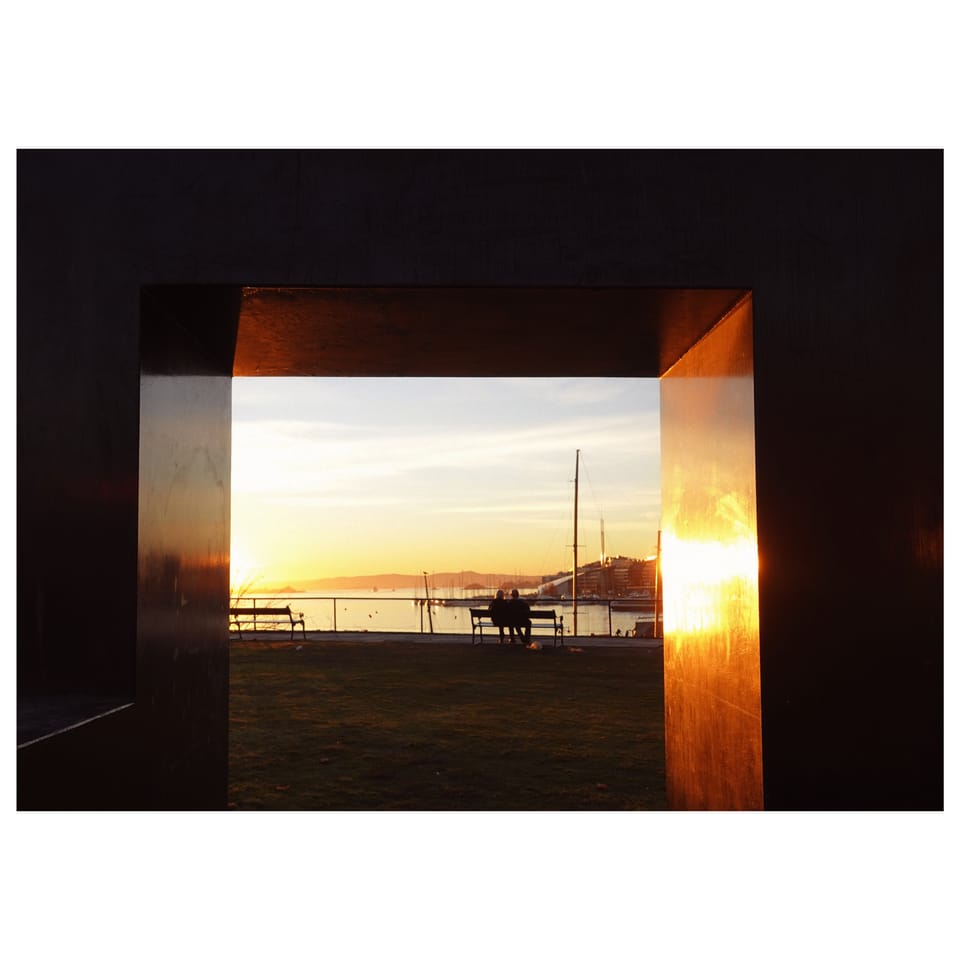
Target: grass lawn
(406,726)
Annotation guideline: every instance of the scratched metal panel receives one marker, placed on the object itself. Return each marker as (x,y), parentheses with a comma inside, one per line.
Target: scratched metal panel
(711,603)
(183,587)
(461,331)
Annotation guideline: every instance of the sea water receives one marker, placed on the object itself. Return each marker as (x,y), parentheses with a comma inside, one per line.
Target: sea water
(400,611)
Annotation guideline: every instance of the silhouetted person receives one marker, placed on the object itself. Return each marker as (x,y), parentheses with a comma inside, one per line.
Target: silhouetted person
(519,617)
(499,611)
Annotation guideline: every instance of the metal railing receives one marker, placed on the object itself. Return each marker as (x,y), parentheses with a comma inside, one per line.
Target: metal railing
(438,615)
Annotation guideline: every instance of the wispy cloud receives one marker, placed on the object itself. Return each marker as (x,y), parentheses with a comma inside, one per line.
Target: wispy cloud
(303,457)
(408,461)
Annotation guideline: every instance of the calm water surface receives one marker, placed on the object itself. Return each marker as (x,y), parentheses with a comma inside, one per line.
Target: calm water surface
(401,611)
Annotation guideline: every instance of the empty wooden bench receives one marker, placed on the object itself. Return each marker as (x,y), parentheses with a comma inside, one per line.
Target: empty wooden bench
(268,617)
(547,619)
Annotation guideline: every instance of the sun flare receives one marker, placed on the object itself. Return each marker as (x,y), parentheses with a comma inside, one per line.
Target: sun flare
(244,570)
(701,578)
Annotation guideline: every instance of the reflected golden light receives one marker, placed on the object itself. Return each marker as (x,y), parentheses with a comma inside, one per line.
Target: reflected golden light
(709,567)
(702,580)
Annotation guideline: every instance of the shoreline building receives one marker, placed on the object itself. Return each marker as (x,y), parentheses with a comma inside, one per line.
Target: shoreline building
(611,578)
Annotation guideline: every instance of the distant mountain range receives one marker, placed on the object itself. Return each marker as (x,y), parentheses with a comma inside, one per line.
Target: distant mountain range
(394,581)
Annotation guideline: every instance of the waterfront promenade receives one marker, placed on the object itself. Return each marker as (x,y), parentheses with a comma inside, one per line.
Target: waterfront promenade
(372,636)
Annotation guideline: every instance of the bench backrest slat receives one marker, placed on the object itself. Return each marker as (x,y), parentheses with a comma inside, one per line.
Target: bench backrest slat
(534,614)
(543,614)
(264,613)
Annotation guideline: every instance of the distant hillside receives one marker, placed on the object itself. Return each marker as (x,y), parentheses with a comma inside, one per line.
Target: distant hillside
(395,581)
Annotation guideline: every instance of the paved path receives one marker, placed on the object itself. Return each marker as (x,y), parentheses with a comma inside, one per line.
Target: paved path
(355,636)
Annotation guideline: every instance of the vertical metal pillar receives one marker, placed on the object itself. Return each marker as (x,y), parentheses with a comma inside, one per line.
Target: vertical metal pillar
(576,493)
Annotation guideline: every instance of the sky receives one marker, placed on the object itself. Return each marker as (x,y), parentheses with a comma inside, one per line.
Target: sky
(361,476)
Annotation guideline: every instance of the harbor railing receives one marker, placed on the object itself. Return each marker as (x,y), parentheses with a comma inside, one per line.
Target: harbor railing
(388,613)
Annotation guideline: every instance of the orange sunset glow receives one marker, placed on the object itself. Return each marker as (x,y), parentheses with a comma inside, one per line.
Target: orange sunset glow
(353,476)
(703,579)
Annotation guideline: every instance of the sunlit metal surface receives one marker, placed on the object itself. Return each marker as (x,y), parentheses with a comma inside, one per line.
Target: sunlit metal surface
(710,567)
(460,331)
(183,582)
(187,343)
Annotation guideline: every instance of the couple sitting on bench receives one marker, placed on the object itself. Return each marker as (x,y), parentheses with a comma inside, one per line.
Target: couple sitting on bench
(514,614)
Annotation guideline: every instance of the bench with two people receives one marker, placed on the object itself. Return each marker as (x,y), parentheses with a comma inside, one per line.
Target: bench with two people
(515,616)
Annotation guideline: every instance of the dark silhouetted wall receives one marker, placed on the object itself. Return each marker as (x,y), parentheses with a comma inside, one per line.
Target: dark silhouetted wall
(842,251)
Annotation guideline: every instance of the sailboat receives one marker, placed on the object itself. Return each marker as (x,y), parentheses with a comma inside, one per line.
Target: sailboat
(646,603)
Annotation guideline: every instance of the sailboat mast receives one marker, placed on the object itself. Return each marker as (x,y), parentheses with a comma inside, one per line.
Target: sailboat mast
(576,495)
(602,583)
(426,591)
